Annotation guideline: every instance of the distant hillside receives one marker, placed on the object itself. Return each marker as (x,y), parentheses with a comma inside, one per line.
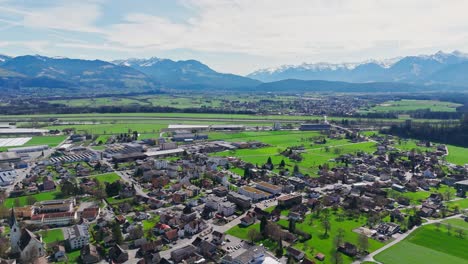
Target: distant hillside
(301,86)
(424,69)
(85,75)
(188,74)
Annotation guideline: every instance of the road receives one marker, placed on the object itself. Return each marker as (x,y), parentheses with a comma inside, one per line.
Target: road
(371,256)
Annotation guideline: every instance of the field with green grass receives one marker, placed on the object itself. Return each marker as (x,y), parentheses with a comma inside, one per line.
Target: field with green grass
(107,178)
(413,105)
(461,203)
(428,244)
(43,196)
(457,155)
(52,235)
(313,155)
(51,141)
(318,243)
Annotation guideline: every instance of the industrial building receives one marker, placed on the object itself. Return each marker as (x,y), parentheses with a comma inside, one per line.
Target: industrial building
(29,149)
(9,157)
(314,127)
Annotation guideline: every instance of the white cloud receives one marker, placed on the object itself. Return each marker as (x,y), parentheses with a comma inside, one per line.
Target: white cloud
(279,31)
(300,27)
(70,16)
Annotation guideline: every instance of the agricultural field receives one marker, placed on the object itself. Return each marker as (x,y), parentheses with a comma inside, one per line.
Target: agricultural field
(207,117)
(313,155)
(51,141)
(107,178)
(457,155)
(413,105)
(429,244)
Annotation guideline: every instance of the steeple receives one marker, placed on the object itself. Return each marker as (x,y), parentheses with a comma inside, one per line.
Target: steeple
(12,221)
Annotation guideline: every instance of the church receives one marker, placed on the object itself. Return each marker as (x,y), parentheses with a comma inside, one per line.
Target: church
(24,243)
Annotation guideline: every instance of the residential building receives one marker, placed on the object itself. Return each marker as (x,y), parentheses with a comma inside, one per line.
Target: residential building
(76,236)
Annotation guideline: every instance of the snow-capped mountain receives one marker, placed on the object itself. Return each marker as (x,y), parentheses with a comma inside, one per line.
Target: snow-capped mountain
(412,69)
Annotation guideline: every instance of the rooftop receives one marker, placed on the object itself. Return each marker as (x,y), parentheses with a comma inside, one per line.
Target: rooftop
(255,190)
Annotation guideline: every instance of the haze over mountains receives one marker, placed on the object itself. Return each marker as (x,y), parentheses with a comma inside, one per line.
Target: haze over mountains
(440,71)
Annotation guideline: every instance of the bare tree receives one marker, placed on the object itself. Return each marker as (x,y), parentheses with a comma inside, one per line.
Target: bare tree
(253,235)
(363,243)
(326,225)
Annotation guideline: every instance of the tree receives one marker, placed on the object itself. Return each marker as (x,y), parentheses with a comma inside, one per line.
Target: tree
(30,200)
(117,233)
(296,169)
(326,225)
(269,162)
(263,225)
(437,225)
(292,225)
(136,232)
(363,243)
(336,256)
(279,249)
(247,174)
(282,164)
(449,227)
(460,232)
(253,235)
(17,202)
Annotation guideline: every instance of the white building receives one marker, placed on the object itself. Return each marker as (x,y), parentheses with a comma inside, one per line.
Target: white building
(77,236)
(226,208)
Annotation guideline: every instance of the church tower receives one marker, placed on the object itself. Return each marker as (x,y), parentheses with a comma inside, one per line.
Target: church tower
(15,233)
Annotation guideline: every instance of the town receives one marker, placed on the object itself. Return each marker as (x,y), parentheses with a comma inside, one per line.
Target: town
(202,194)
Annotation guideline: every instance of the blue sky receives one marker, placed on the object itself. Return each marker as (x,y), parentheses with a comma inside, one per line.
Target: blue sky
(237,36)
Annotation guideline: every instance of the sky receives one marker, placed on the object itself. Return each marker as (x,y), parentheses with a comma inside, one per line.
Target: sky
(237,36)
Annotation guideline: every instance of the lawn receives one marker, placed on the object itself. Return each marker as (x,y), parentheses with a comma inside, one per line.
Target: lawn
(317,243)
(107,177)
(313,156)
(52,141)
(43,196)
(52,235)
(462,203)
(242,232)
(414,197)
(427,245)
(457,155)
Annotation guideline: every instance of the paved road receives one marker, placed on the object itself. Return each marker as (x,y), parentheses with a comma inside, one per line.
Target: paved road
(371,256)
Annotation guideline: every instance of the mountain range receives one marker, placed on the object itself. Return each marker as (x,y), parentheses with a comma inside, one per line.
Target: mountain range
(440,71)
(438,68)
(187,74)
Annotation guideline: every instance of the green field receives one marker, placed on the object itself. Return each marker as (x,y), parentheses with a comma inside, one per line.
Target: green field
(51,141)
(188,117)
(462,203)
(52,235)
(313,156)
(457,155)
(107,178)
(413,105)
(43,196)
(318,243)
(428,245)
